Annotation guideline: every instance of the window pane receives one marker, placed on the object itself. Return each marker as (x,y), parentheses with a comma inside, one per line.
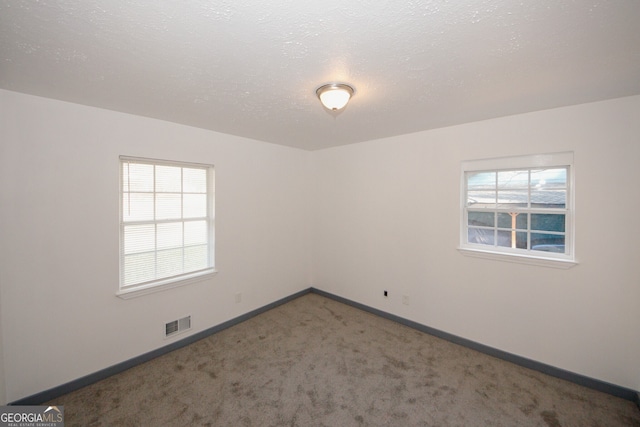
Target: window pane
(513,179)
(548,222)
(139,238)
(195,180)
(170,262)
(196,258)
(481,181)
(480,199)
(139,268)
(137,207)
(510,239)
(481,236)
(513,198)
(195,205)
(168,179)
(505,220)
(504,238)
(549,178)
(195,233)
(547,198)
(168,206)
(485,219)
(547,242)
(169,235)
(139,177)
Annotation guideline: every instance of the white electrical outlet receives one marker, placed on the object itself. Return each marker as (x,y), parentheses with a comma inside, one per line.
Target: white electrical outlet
(405,299)
(238,298)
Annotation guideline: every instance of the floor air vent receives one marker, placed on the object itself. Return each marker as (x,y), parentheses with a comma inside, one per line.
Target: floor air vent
(177,326)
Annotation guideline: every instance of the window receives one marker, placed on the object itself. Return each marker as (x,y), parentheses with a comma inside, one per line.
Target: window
(166,224)
(519,207)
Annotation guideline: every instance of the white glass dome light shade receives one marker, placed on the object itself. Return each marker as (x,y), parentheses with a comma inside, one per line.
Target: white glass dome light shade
(334,96)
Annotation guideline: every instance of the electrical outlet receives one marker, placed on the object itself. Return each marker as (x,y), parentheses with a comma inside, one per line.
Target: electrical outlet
(386,294)
(238,298)
(405,299)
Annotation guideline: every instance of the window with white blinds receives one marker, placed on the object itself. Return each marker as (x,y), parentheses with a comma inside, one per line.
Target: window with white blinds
(166,222)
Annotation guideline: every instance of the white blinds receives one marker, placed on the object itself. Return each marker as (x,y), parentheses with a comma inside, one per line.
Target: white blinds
(166,220)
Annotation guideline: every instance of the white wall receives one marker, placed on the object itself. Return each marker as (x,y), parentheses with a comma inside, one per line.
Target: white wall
(388,218)
(59,222)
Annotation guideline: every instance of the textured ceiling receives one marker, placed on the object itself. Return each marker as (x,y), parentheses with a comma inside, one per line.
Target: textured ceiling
(251,68)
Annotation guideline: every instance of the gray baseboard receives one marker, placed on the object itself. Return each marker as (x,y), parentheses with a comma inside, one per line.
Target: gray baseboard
(595,384)
(55,392)
(592,383)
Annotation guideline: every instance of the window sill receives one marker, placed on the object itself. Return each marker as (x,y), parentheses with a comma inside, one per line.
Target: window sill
(520,259)
(150,288)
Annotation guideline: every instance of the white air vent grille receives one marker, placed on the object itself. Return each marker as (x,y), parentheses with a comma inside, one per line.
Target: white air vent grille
(177,326)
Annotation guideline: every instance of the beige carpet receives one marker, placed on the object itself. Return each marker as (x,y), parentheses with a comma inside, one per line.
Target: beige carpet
(317,362)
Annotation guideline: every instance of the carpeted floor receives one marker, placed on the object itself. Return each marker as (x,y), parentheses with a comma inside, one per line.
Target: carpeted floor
(317,362)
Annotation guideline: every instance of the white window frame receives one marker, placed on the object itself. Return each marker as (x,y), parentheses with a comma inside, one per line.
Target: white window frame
(160,284)
(526,256)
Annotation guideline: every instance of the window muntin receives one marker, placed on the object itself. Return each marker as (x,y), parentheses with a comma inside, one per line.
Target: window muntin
(166,222)
(520,210)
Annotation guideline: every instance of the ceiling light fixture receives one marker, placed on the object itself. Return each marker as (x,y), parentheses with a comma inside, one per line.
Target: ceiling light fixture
(334,96)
